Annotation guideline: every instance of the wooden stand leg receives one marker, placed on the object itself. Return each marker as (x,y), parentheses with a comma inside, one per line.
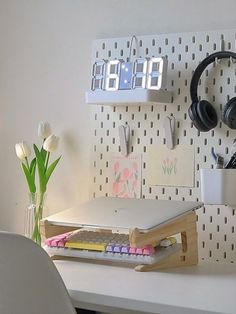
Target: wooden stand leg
(187,256)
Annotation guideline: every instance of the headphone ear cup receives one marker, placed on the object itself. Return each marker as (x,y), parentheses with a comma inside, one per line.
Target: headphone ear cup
(229,113)
(207,114)
(192,112)
(203,115)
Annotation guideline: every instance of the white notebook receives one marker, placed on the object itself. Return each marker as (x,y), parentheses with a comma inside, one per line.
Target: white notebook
(120,213)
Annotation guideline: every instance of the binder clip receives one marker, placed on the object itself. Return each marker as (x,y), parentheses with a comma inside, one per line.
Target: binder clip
(169,126)
(124,134)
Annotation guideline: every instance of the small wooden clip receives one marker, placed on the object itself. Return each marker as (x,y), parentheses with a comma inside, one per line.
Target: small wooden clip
(124,134)
(169,126)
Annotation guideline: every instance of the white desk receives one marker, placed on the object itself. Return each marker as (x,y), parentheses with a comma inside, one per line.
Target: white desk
(203,289)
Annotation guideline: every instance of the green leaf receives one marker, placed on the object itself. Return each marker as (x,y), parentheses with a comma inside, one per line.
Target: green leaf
(51,169)
(33,168)
(38,156)
(32,165)
(43,154)
(29,178)
(41,170)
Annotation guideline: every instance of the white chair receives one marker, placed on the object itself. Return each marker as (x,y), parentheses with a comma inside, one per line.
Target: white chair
(29,281)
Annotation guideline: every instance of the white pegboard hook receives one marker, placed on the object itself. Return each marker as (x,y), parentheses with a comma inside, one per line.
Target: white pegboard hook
(222,44)
(222,48)
(131,45)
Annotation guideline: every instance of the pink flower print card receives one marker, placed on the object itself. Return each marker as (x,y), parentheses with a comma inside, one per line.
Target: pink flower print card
(125,175)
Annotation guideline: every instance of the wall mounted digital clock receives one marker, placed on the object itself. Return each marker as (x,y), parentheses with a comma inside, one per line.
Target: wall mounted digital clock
(144,73)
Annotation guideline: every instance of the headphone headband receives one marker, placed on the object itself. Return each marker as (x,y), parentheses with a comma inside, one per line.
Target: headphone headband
(202,66)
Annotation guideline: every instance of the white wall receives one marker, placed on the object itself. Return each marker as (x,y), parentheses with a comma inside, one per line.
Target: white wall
(45,49)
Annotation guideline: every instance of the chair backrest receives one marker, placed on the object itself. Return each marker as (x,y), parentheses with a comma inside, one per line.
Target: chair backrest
(29,281)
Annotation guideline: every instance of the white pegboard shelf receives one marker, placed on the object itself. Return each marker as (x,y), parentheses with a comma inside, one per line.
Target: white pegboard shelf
(131,97)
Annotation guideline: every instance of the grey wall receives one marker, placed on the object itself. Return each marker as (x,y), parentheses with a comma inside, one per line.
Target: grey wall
(45,49)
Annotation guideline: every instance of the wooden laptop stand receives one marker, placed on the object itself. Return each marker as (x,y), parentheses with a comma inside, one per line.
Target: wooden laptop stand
(184,225)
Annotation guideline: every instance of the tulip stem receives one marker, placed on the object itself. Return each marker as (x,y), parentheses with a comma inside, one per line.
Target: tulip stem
(47,160)
(27,163)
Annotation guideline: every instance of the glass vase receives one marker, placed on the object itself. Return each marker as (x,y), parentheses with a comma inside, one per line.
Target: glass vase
(33,215)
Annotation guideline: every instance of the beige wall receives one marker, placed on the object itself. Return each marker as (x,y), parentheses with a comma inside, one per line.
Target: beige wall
(45,48)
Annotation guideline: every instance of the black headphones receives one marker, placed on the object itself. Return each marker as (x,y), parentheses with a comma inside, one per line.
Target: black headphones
(202,113)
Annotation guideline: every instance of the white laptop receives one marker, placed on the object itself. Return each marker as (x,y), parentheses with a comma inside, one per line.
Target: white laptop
(122,213)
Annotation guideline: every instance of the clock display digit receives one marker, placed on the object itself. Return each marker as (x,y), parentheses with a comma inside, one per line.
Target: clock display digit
(156,73)
(98,78)
(112,75)
(139,75)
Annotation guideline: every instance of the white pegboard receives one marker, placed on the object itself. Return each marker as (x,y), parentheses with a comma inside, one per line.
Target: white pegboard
(216,224)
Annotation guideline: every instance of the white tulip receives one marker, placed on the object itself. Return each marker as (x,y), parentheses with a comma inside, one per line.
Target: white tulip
(44,130)
(22,150)
(51,143)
